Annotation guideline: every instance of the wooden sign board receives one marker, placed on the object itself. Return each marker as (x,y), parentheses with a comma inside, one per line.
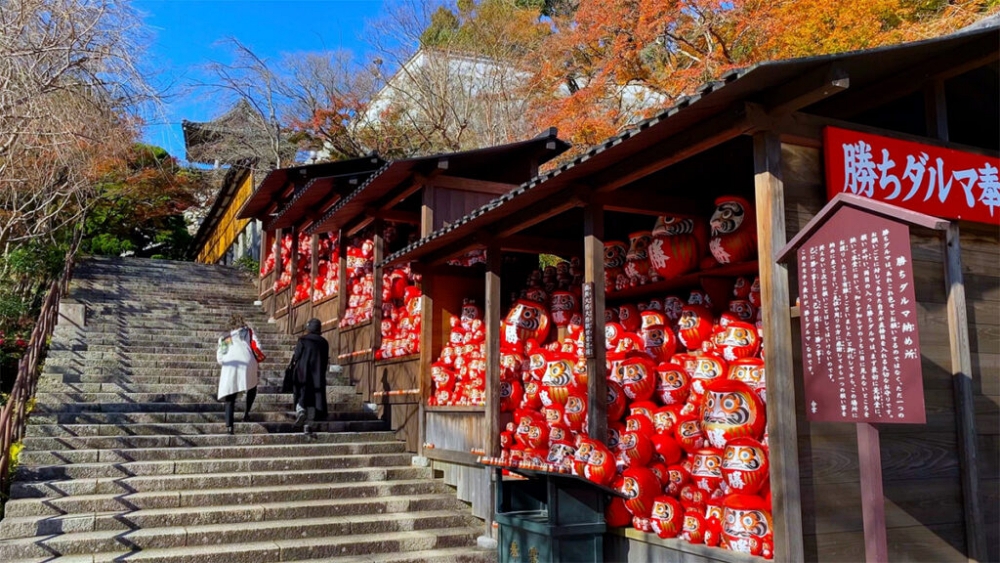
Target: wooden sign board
(860,342)
(588,319)
(924,178)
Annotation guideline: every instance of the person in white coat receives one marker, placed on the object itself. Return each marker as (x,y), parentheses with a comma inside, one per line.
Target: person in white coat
(239,367)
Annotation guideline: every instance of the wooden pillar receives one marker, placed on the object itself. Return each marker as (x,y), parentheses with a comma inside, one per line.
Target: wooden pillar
(428,330)
(379,254)
(313,268)
(781,426)
(961,369)
(427,211)
(593,281)
(293,256)
(275,272)
(341,290)
(491,319)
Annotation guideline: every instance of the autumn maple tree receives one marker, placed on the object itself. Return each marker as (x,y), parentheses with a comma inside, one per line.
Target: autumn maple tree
(612,62)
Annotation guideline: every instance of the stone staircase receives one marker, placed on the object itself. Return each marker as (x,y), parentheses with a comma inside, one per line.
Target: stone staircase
(126,456)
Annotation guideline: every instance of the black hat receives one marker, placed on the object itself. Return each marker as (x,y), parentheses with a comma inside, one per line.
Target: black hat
(314,326)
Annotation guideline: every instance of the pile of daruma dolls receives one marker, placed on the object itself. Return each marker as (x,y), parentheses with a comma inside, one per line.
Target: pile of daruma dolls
(303,270)
(327,268)
(687,444)
(401,313)
(459,374)
(359,281)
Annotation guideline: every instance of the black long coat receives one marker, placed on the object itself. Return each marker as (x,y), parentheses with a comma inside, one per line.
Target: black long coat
(311,359)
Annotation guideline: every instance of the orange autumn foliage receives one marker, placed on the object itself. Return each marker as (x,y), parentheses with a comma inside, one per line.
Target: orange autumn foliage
(614,62)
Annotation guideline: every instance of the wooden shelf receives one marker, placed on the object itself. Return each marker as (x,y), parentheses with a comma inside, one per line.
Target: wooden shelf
(399,360)
(687,280)
(452,456)
(534,474)
(355,327)
(457,408)
(699,551)
(325,299)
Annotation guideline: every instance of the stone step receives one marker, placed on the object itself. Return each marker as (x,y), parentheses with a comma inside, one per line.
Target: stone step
(204,466)
(163,356)
(153,483)
(200,441)
(466,554)
(268,379)
(351,403)
(27,526)
(316,538)
(112,455)
(278,415)
(353,420)
(176,399)
(51,386)
(268,369)
(48,506)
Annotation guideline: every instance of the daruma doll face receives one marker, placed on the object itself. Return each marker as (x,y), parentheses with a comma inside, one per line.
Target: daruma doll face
(730,409)
(745,465)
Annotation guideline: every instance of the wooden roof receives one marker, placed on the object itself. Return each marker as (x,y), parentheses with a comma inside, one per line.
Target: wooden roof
(717,112)
(503,164)
(280,185)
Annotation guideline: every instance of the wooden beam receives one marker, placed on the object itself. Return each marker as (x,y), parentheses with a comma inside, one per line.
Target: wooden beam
(647,204)
(593,279)
(946,65)
(713,131)
(427,350)
(535,214)
(359,226)
(807,89)
(808,126)
(936,110)
(427,211)
(537,245)
(776,309)
(961,369)
(471,185)
(394,215)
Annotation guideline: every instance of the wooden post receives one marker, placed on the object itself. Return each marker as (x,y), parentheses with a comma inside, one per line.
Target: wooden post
(872,498)
(378,255)
(776,310)
(593,280)
(494,261)
(293,256)
(961,369)
(341,290)
(427,211)
(428,323)
(313,268)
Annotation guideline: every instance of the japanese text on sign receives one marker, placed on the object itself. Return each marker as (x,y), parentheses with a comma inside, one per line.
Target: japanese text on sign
(928,179)
(860,347)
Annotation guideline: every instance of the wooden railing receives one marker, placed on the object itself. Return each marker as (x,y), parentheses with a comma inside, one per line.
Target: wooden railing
(14,415)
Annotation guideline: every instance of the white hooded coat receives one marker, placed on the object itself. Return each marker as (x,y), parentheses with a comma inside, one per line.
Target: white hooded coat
(239,367)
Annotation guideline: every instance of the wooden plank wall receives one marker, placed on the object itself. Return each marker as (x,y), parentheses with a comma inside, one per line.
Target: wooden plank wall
(359,369)
(981,271)
(451,205)
(461,431)
(400,412)
(923,496)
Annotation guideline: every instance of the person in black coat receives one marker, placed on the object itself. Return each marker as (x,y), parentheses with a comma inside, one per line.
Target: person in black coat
(309,365)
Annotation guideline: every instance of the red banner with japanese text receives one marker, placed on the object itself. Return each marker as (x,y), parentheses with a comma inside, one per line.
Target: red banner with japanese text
(933,180)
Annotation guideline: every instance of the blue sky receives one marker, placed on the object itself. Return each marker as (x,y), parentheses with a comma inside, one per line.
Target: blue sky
(186,33)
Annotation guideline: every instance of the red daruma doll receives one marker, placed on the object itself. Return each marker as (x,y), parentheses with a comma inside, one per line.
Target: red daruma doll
(525,320)
(730,409)
(747,526)
(667,517)
(734,230)
(745,466)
